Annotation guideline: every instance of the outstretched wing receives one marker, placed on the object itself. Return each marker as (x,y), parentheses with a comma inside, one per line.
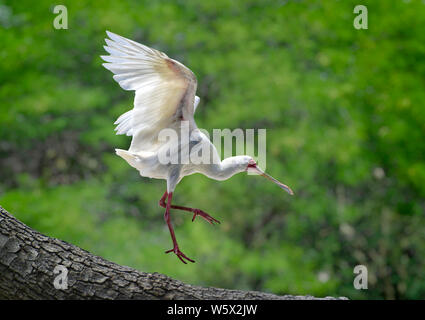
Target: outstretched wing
(165,90)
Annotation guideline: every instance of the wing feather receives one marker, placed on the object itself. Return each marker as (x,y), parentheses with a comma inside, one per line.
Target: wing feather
(165,90)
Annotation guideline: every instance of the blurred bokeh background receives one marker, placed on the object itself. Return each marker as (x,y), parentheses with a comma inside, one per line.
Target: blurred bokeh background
(344,111)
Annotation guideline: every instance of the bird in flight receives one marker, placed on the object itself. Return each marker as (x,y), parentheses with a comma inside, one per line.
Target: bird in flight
(165,99)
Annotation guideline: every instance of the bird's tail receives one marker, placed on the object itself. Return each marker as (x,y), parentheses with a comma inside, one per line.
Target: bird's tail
(128,156)
(140,160)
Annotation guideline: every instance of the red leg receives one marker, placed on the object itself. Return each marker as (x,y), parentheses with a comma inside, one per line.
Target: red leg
(175,249)
(162,200)
(196,212)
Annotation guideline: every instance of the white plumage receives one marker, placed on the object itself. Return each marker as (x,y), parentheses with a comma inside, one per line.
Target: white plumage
(165,90)
(165,99)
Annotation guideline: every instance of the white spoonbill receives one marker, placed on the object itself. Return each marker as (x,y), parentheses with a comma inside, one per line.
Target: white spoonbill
(165,99)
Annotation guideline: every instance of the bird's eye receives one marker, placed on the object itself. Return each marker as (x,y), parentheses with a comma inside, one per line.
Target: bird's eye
(251,163)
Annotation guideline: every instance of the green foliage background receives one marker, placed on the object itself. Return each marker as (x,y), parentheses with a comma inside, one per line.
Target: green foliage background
(344,112)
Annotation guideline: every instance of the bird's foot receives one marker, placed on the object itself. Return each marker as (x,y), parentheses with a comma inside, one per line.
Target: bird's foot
(204,215)
(179,254)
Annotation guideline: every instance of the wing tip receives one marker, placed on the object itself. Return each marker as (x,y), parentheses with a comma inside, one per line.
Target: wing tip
(116,38)
(110,34)
(107,62)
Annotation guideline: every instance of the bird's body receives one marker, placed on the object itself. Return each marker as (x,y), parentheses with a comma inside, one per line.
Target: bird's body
(165,101)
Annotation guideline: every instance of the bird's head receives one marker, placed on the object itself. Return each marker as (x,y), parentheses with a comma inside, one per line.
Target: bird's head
(252,167)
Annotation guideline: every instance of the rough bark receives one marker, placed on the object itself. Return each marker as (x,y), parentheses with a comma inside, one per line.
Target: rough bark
(28,258)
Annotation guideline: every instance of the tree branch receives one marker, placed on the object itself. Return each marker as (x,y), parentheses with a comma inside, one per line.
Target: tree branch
(28,260)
